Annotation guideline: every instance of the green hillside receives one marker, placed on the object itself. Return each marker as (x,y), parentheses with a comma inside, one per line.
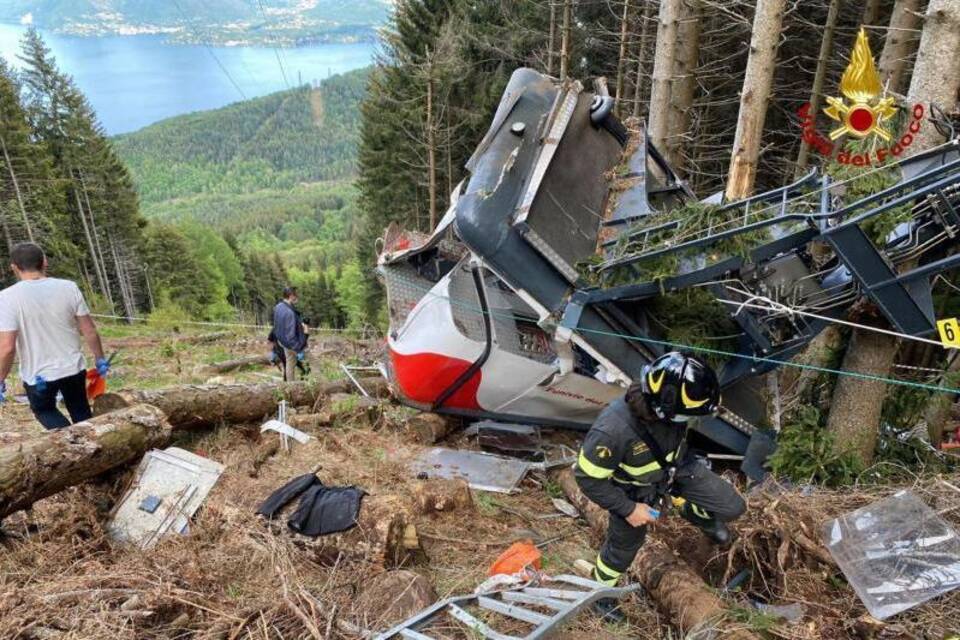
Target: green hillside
(269,180)
(274,142)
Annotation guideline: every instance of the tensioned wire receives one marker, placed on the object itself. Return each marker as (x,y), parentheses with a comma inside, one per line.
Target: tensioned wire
(473,308)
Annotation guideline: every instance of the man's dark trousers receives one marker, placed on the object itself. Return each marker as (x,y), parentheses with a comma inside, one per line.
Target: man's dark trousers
(43,403)
(713,496)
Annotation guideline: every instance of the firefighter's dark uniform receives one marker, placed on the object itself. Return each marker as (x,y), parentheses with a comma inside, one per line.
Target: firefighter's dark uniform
(616,470)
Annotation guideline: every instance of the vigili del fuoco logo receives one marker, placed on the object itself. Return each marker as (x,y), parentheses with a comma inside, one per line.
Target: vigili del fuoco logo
(860,113)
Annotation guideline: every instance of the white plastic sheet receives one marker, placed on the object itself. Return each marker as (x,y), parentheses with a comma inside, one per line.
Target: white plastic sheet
(896,553)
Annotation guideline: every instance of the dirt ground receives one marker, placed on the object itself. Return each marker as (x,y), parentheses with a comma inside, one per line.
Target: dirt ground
(236,576)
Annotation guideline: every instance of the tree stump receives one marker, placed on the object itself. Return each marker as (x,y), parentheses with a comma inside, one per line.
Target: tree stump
(434,496)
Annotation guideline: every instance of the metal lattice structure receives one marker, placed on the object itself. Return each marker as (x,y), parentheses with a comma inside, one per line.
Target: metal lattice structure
(540,610)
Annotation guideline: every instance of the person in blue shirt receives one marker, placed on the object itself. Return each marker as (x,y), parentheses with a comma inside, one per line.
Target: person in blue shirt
(290,332)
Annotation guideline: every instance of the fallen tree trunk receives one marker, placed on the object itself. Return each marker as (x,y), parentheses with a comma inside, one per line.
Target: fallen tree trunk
(671,582)
(38,467)
(204,338)
(199,406)
(311,421)
(231,365)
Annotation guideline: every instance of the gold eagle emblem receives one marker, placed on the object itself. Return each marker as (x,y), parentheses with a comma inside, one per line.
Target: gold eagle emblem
(865,113)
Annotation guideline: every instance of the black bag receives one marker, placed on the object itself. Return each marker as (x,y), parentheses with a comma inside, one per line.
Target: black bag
(322,510)
(286,494)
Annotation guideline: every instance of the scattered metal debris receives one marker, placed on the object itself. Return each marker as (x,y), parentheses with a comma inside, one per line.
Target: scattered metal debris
(167,489)
(564,596)
(483,471)
(896,553)
(565,507)
(507,437)
(286,431)
(349,369)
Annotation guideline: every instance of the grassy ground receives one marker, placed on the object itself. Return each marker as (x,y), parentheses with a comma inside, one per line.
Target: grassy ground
(234,576)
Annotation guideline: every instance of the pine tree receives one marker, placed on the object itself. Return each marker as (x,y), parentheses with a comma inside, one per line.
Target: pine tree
(101,201)
(31,198)
(757,86)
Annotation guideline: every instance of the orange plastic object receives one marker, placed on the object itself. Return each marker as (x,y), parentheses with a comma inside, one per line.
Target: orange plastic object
(518,557)
(96,384)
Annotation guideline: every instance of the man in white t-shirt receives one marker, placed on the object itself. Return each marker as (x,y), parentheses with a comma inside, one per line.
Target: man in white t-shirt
(42,320)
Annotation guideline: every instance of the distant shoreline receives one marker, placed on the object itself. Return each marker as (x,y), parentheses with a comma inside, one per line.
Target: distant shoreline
(226,36)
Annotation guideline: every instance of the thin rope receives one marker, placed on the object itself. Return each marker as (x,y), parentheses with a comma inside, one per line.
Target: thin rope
(779,306)
(719,352)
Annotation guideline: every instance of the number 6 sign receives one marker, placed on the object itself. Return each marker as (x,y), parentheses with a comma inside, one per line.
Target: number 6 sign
(949,332)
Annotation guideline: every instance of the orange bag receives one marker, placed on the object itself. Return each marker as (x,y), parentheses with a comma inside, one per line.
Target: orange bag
(96,384)
(516,558)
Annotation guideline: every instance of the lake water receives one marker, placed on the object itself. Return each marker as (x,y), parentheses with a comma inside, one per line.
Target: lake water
(133,81)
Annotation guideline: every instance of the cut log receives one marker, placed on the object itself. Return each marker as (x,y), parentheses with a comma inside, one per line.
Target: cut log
(199,406)
(310,421)
(247,361)
(594,515)
(433,496)
(428,428)
(38,467)
(205,338)
(678,590)
(355,410)
(376,386)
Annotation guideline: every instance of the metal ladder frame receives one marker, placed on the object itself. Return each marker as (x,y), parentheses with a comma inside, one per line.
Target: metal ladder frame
(565,602)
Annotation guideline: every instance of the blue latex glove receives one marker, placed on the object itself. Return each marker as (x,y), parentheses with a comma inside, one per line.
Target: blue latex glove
(103,366)
(3,391)
(301,356)
(273,357)
(654,513)
(40,384)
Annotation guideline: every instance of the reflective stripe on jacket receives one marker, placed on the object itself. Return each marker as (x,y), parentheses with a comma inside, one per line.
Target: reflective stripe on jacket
(614,459)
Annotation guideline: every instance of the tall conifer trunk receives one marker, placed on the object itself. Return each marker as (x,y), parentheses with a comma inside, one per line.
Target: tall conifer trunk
(621,59)
(899,44)
(565,43)
(757,85)
(819,78)
(642,49)
(16,190)
(685,81)
(663,71)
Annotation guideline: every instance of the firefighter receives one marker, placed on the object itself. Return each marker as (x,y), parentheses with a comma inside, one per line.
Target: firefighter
(635,457)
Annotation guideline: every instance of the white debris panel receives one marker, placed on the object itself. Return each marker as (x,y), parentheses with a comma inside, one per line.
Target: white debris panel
(167,489)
